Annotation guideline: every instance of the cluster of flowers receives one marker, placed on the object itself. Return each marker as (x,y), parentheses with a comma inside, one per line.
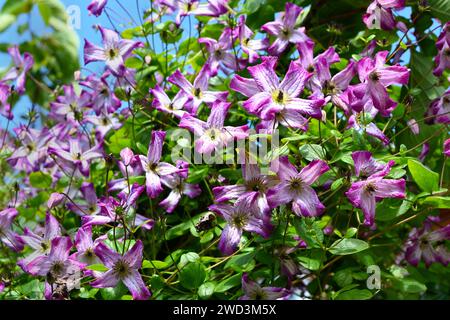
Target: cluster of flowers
(68,149)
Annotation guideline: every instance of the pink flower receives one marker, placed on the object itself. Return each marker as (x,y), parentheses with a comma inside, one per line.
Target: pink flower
(284,30)
(153,167)
(20,69)
(442,59)
(96,7)
(295,187)
(212,134)
(198,91)
(7,235)
(379,14)
(272,100)
(364,194)
(377,77)
(123,269)
(114,52)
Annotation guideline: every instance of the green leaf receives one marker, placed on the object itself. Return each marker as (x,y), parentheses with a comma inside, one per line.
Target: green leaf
(241,262)
(354,294)
(350,232)
(188,257)
(348,246)
(426,179)
(438,202)
(251,6)
(309,231)
(410,286)
(97,267)
(155,264)
(6,20)
(312,151)
(192,275)
(343,277)
(440,9)
(114,293)
(40,180)
(206,290)
(312,261)
(228,283)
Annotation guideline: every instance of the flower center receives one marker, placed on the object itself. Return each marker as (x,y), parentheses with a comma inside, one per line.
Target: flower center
(286,33)
(279,96)
(57,268)
(121,269)
(374,76)
(112,53)
(255,185)
(240,220)
(296,184)
(370,188)
(152,166)
(218,54)
(213,134)
(197,92)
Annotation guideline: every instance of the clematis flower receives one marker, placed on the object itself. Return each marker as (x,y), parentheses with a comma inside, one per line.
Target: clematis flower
(114,52)
(240,217)
(40,243)
(377,77)
(447,148)
(362,121)
(283,28)
(33,149)
(163,103)
(220,55)
(123,269)
(428,244)
(253,291)
(270,99)
(254,189)
(133,169)
(213,135)
(113,210)
(295,187)
(379,14)
(213,8)
(249,45)
(70,106)
(439,110)
(178,187)
(20,69)
(103,124)
(365,193)
(319,65)
(7,235)
(86,246)
(77,154)
(365,164)
(442,60)
(90,201)
(153,167)
(198,91)
(331,88)
(56,261)
(182,7)
(414,126)
(103,98)
(60,270)
(5,107)
(127,155)
(96,7)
